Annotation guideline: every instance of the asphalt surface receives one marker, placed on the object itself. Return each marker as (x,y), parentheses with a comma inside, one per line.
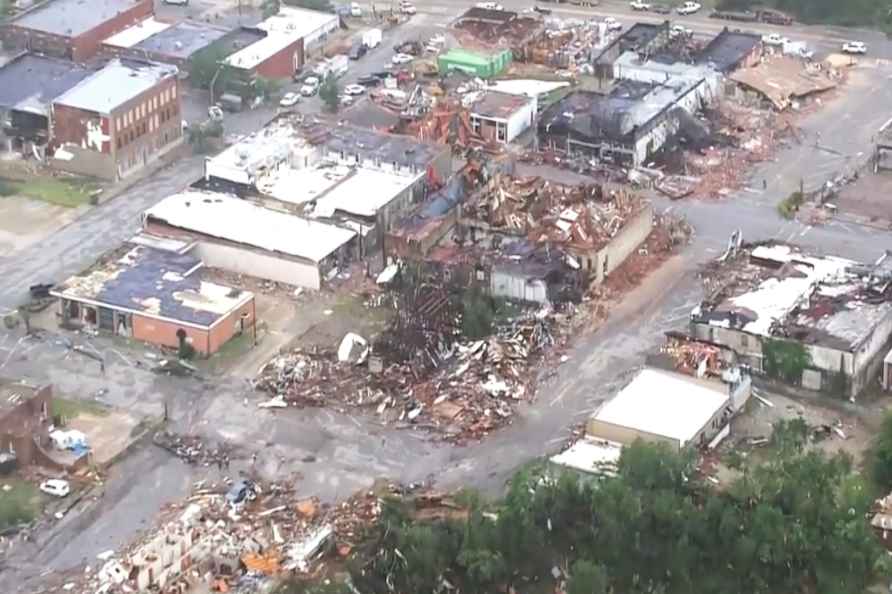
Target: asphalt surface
(336,453)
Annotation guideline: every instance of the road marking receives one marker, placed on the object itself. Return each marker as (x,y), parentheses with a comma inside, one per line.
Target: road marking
(806,230)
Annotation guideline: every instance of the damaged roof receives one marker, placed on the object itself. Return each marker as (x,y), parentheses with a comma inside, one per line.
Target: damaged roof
(498,105)
(30,82)
(776,290)
(117,83)
(783,79)
(157,283)
(14,392)
(183,39)
(727,50)
(477,13)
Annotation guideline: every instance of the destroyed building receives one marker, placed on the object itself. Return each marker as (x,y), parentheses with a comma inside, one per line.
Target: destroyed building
(486,28)
(25,421)
(29,83)
(354,177)
(596,228)
(630,123)
(780,82)
(156,296)
(644,39)
(117,120)
(774,302)
(236,235)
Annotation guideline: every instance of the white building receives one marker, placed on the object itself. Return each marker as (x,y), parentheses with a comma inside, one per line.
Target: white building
(239,236)
(502,117)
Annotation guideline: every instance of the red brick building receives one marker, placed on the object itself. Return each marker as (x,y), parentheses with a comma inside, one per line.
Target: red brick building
(72,29)
(118,120)
(24,420)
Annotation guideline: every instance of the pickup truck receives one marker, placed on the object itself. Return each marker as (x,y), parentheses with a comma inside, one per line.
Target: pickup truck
(639,5)
(688,8)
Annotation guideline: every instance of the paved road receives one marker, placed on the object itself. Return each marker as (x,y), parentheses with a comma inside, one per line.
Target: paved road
(337,453)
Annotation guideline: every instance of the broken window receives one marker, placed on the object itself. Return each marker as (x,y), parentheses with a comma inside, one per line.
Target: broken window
(501,133)
(744,340)
(90,315)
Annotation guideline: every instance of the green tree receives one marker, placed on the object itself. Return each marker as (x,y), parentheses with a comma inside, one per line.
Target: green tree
(205,65)
(267,88)
(587,578)
(785,360)
(269,8)
(882,454)
(329,93)
(478,314)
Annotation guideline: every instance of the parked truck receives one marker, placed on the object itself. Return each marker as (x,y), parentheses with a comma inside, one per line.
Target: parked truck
(763,15)
(372,38)
(335,66)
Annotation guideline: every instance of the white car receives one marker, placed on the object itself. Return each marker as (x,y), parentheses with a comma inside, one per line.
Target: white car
(407,8)
(401,58)
(438,39)
(55,487)
(774,39)
(289,99)
(355,10)
(639,5)
(613,24)
(310,86)
(854,47)
(354,89)
(489,5)
(688,8)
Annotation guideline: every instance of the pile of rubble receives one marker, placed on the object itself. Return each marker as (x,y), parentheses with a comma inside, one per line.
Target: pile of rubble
(467,390)
(231,538)
(192,450)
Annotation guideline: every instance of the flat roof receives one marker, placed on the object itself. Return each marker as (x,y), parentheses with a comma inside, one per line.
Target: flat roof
(138,32)
(727,49)
(31,82)
(232,219)
(261,50)
(594,456)
(154,282)
(183,39)
(477,58)
(358,190)
(477,13)
(117,83)
(72,17)
(299,22)
(665,404)
(494,104)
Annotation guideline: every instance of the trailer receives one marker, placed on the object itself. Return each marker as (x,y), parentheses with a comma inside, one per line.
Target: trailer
(745,16)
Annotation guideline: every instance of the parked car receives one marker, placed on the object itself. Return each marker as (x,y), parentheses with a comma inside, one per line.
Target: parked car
(241,491)
(55,487)
(854,47)
(357,50)
(355,10)
(639,5)
(354,89)
(661,9)
(310,86)
(401,58)
(289,99)
(613,24)
(407,8)
(688,8)
(489,5)
(774,39)
(176,2)
(369,80)
(541,10)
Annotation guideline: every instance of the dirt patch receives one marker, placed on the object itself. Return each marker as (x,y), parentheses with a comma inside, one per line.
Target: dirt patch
(24,222)
(107,434)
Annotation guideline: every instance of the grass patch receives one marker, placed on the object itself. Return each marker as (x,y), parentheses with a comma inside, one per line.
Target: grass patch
(234,349)
(70,409)
(69,192)
(18,505)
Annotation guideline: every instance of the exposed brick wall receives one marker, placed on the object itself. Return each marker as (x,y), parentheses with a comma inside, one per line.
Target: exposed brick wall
(164,333)
(23,424)
(229,327)
(70,126)
(284,63)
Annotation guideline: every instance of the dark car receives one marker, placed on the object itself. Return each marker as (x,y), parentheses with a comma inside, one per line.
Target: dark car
(542,10)
(369,80)
(241,491)
(661,9)
(357,50)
